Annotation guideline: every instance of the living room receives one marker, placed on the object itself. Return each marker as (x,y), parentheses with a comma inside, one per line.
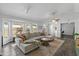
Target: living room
(34,29)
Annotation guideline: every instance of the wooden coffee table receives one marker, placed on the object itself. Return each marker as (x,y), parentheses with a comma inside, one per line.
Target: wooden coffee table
(45,41)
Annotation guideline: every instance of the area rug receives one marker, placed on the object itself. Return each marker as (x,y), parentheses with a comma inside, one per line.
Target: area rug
(47,50)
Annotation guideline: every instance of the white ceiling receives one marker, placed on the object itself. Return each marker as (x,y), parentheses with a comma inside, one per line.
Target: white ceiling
(38,11)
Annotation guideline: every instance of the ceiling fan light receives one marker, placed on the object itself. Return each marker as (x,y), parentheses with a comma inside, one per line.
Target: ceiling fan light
(53,21)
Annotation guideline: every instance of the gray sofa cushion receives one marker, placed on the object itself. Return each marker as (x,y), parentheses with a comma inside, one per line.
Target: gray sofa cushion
(27,35)
(29,41)
(31,35)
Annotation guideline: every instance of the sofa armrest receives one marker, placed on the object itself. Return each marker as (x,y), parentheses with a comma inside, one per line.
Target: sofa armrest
(17,41)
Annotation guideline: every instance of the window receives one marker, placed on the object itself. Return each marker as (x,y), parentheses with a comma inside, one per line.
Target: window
(14,29)
(34,28)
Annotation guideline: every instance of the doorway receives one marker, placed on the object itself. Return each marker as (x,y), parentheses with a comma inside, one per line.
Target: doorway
(67,30)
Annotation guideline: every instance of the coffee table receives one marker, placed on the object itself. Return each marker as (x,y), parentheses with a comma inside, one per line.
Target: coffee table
(45,41)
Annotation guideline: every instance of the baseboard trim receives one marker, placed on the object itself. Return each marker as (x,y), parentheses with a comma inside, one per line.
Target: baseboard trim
(8,43)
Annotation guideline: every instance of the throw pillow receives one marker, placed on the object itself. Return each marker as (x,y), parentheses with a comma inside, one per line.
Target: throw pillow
(23,37)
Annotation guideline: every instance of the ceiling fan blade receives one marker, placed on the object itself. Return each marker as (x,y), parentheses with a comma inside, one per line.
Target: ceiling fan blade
(28,9)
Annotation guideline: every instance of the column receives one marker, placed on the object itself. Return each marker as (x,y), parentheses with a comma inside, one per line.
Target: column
(10,31)
(0,32)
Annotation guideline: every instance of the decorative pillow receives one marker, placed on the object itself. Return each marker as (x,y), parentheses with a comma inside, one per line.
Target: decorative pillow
(23,37)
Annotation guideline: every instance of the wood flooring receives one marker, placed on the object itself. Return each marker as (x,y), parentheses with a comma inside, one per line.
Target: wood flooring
(67,49)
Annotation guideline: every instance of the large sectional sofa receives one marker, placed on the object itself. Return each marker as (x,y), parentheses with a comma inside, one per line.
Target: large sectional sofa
(31,37)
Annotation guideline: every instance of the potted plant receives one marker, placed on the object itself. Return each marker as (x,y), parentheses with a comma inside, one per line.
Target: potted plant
(76,35)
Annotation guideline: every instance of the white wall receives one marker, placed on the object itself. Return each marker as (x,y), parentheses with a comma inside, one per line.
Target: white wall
(67,18)
(0,31)
(64,18)
(68,28)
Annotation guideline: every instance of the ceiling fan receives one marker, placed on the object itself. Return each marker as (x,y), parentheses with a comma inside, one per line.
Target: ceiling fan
(27,9)
(53,15)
